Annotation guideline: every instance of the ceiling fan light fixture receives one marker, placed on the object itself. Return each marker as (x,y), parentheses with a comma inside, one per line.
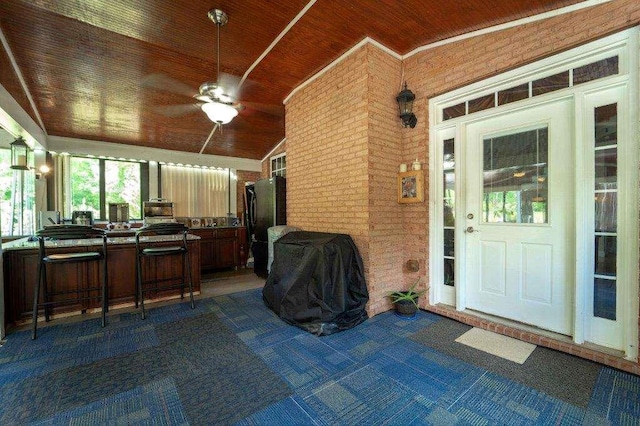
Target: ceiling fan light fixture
(218,112)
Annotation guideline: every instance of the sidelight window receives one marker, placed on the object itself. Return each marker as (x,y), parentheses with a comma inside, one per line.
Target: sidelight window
(449,179)
(606,211)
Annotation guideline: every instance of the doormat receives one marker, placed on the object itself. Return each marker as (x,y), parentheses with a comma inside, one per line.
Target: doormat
(496,344)
(557,374)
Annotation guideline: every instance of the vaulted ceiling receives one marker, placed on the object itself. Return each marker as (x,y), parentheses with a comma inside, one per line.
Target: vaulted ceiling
(126,71)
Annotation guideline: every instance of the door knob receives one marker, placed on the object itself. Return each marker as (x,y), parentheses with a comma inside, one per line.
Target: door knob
(470,230)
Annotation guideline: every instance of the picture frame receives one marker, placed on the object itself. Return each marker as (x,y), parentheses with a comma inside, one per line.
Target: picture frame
(411,187)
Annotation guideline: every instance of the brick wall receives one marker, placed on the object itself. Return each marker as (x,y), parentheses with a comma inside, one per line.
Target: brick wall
(345,142)
(343,149)
(386,237)
(442,69)
(448,67)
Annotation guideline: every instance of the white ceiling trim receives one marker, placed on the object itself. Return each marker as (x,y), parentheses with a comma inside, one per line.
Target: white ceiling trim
(23,83)
(276,40)
(132,152)
(342,57)
(523,21)
(17,122)
(518,22)
(273,149)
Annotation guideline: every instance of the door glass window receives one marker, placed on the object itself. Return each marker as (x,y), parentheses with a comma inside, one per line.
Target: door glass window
(449,179)
(515,183)
(606,210)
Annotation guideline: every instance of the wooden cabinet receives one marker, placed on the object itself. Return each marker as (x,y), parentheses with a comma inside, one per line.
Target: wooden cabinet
(222,247)
(21,266)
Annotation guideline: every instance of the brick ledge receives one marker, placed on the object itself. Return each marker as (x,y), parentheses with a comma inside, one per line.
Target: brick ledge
(537,339)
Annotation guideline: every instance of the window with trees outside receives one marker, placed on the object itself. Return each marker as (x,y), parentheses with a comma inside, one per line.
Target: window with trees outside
(17,202)
(97,182)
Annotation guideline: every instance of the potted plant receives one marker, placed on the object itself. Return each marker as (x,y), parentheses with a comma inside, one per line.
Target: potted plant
(406,301)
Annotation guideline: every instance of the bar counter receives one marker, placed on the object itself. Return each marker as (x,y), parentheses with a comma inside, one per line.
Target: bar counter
(20,258)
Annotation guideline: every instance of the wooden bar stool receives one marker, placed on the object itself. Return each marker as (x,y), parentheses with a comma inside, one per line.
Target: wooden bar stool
(152,249)
(53,255)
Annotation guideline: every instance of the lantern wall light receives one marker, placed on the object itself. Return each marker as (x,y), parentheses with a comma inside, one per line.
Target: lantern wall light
(405,105)
(20,154)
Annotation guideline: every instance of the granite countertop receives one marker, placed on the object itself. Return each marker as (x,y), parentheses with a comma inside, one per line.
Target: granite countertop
(27,243)
(215,227)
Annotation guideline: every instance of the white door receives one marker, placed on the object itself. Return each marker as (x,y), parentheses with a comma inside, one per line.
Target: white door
(519,224)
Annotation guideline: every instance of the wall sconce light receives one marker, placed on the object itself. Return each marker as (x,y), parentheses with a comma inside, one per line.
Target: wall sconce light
(19,154)
(43,171)
(405,104)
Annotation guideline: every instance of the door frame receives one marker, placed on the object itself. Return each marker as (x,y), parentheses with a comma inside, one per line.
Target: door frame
(623,44)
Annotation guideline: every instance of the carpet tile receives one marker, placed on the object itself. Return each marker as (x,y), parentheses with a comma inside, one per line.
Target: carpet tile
(232,361)
(155,403)
(496,400)
(289,411)
(305,362)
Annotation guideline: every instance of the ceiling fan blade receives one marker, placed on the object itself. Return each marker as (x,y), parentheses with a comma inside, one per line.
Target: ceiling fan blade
(168,84)
(177,110)
(230,84)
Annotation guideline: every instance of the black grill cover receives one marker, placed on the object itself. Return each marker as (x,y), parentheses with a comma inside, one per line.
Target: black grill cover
(317,282)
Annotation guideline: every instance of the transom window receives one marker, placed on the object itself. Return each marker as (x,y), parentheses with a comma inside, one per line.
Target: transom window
(279,165)
(571,77)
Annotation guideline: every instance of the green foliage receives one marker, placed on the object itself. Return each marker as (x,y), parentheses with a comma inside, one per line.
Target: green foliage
(85,190)
(411,294)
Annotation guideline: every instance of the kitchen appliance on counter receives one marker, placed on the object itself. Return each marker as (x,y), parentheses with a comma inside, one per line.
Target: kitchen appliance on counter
(157,210)
(82,217)
(118,212)
(47,218)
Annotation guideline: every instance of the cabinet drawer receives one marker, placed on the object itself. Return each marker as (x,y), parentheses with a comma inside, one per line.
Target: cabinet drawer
(205,234)
(225,233)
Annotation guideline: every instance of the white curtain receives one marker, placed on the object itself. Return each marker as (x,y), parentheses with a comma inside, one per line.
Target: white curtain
(196,192)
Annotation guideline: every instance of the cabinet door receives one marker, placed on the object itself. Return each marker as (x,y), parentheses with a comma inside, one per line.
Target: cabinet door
(226,252)
(207,247)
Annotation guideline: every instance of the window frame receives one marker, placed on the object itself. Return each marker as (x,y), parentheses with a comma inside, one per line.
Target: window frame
(275,171)
(104,209)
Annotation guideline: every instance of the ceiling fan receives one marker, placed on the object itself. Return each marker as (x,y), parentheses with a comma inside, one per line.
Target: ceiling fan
(218,105)
(216,99)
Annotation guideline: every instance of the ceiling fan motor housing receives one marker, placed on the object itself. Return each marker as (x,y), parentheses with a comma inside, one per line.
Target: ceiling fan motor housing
(218,17)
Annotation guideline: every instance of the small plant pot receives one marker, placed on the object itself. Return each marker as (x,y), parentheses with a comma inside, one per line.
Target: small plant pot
(405,308)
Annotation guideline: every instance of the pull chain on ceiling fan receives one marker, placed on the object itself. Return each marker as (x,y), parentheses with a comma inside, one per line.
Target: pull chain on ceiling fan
(217,105)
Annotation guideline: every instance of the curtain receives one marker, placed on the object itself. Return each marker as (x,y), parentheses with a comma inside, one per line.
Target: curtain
(196,192)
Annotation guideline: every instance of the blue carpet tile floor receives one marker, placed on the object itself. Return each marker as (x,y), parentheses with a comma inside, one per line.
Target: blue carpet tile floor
(374,373)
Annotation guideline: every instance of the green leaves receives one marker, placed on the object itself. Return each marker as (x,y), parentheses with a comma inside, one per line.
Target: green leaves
(411,294)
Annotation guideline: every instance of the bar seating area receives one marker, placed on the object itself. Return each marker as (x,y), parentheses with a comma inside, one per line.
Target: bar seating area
(58,290)
(147,253)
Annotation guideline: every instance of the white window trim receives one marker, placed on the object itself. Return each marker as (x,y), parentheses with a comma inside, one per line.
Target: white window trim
(275,157)
(623,44)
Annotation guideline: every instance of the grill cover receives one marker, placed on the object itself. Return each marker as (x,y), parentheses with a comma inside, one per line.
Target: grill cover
(317,282)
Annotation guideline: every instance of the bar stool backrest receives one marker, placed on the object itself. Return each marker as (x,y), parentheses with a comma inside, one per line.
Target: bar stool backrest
(167,228)
(70,232)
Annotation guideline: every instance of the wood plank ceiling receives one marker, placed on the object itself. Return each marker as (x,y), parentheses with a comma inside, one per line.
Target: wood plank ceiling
(111,70)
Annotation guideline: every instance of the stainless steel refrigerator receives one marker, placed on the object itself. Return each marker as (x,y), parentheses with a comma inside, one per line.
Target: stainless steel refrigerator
(270,210)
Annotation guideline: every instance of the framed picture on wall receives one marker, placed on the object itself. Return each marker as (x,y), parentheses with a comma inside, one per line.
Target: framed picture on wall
(411,187)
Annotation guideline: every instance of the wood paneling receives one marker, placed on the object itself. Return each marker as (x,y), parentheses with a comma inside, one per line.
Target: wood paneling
(20,268)
(86,63)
